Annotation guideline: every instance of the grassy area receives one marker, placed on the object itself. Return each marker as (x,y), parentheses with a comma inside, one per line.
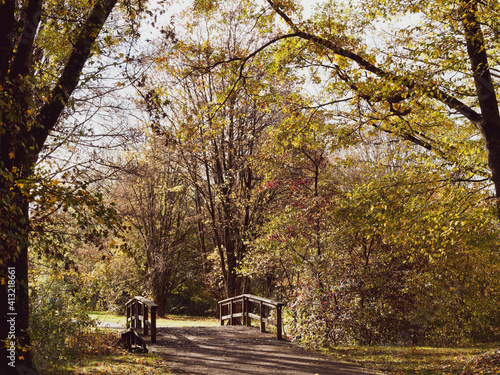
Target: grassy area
(167,321)
(114,364)
(101,353)
(422,361)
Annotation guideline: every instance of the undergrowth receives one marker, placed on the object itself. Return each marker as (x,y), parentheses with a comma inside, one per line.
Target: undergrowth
(100,352)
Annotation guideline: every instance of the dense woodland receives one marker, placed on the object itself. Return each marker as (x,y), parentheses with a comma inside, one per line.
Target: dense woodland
(342,157)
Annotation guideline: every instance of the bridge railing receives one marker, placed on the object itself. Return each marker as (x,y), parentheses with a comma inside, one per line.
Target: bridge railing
(138,311)
(241,309)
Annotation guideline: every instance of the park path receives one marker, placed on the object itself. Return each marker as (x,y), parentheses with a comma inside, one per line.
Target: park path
(241,350)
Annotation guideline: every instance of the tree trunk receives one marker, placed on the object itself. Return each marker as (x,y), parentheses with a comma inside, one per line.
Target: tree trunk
(490,123)
(161,286)
(160,297)
(16,356)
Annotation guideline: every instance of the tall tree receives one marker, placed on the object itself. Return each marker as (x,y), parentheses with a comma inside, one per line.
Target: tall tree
(216,120)
(40,67)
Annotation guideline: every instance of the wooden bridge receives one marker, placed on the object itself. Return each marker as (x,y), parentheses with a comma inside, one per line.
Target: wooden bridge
(239,310)
(235,348)
(248,307)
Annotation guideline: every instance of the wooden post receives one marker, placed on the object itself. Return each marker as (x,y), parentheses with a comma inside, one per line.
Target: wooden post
(128,315)
(140,307)
(153,324)
(278,321)
(231,309)
(221,307)
(243,317)
(145,318)
(262,323)
(129,341)
(249,305)
(246,311)
(133,320)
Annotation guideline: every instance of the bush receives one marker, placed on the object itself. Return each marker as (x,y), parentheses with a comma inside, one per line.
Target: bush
(385,305)
(55,320)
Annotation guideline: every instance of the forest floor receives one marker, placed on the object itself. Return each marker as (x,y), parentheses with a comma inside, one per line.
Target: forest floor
(199,346)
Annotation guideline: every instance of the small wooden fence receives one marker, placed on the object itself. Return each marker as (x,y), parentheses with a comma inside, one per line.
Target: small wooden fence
(137,315)
(245,306)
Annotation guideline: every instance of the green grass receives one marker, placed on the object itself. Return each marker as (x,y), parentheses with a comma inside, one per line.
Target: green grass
(104,316)
(167,321)
(417,360)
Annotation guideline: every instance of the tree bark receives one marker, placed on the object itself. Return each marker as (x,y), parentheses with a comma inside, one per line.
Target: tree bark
(160,290)
(490,122)
(14,306)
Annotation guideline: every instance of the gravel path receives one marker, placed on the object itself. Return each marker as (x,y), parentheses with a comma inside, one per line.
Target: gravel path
(240,350)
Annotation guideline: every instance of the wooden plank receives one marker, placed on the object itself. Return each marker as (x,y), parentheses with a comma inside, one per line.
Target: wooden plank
(231,309)
(267,301)
(254,316)
(153,324)
(145,319)
(235,315)
(228,300)
(262,323)
(146,301)
(244,305)
(278,324)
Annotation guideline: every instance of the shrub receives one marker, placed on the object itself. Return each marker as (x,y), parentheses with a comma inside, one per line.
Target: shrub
(55,320)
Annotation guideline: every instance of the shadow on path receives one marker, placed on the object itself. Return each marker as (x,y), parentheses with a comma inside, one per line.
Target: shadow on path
(240,350)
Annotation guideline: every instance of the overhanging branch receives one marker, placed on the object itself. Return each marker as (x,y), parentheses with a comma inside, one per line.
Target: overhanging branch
(428,90)
(70,76)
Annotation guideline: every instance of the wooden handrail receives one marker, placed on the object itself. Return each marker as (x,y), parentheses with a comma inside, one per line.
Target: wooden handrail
(137,315)
(246,300)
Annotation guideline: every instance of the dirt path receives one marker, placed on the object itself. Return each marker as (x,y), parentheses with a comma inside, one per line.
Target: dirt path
(240,350)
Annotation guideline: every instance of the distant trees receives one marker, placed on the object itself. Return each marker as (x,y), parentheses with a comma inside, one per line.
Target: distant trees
(392,232)
(157,203)
(406,225)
